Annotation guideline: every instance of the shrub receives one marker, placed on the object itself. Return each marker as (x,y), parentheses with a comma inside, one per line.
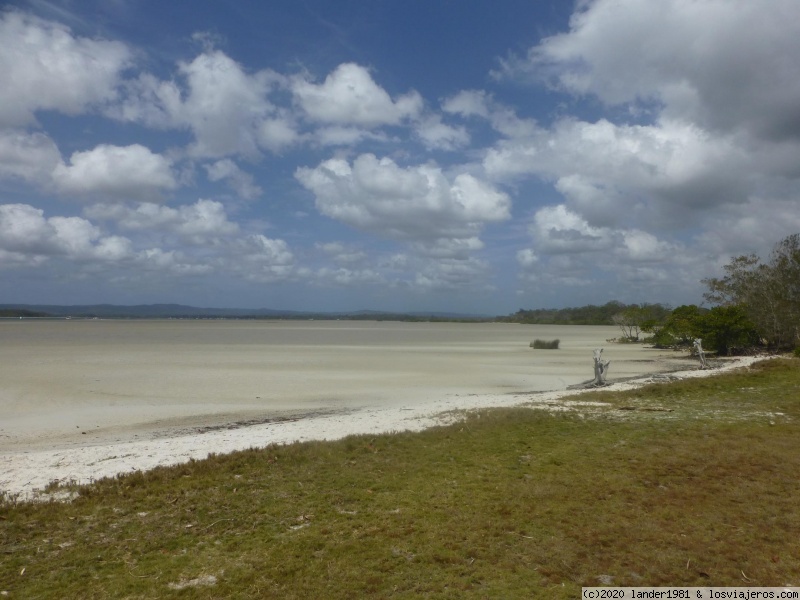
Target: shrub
(545,345)
(727,329)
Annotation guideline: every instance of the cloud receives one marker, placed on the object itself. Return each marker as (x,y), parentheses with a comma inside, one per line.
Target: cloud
(557,230)
(336,135)
(158,263)
(278,133)
(242,183)
(123,172)
(711,96)
(469,103)
(480,104)
(725,65)
(195,223)
(418,203)
(29,238)
(345,277)
(753,226)
(31,157)
(227,109)
(437,135)
(224,104)
(260,259)
(46,67)
(612,173)
(231,112)
(349,96)
(445,275)
(201,242)
(567,251)
(343,254)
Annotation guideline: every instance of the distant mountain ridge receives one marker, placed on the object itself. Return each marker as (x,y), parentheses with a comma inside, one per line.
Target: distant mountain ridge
(161,311)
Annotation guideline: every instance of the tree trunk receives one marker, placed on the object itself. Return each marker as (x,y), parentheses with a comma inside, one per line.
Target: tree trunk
(600,368)
(698,346)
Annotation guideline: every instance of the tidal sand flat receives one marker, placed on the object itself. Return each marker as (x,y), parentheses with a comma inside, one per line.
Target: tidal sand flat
(80,393)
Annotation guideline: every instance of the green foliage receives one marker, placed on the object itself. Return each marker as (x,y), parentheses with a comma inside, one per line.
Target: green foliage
(726,329)
(545,344)
(768,292)
(680,327)
(583,315)
(639,317)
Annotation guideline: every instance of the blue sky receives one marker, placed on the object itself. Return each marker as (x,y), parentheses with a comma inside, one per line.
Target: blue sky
(462,156)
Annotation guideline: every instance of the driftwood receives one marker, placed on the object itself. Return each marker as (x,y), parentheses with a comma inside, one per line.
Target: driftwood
(600,373)
(600,368)
(698,347)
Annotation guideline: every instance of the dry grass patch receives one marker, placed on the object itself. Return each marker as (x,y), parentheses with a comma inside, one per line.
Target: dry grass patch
(510,503)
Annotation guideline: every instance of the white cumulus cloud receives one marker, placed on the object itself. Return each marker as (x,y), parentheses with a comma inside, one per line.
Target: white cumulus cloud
(259,258)
(241,182)
(45,67)
(124,172)
(349,96)
(436,134)
(418,203)
(722,64)
(226,107)
(196,223)
(31,157)
(30,238)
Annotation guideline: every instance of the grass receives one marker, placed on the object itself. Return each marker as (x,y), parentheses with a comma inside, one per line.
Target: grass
(683,484)
(545,344)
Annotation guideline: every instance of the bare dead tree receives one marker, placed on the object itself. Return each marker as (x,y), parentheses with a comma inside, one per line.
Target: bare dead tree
(600,367)
(698,347)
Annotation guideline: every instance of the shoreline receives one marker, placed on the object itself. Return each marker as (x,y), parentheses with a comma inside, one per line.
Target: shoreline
(25,474)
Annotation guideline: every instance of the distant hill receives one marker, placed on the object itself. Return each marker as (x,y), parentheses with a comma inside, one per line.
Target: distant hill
(181,311)
(13,313)
(138,311)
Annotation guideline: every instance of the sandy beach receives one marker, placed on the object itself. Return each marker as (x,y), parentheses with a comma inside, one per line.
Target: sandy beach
(83,400)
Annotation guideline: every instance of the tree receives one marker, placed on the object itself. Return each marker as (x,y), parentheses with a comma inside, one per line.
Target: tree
(600,367)
(634,319)
(768,293)
(680,328)
(727,328)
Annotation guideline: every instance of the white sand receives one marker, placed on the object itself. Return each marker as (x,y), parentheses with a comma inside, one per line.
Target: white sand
(76,383)
(23,470)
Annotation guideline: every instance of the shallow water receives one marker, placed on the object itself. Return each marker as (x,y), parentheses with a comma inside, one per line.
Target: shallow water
(113,380)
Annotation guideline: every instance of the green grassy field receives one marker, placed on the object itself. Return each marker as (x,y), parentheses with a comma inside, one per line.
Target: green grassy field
(681,484)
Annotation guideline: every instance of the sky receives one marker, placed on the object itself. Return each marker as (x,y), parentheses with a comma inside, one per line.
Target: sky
(469,156)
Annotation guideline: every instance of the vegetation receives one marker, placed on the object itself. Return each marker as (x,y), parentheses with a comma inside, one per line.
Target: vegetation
(545,344)
(13,313)
(725,329)
(583,315)
(767,293)
(756,303)
(679,328)
(634,319)
(690,483)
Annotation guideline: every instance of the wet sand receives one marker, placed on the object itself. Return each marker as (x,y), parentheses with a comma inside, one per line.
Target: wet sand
(86,399)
